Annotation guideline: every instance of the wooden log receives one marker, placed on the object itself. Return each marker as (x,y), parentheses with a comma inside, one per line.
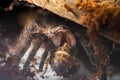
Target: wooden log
(75,10)
(63,8)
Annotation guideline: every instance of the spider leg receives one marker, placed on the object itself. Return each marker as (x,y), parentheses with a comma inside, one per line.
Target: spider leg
(21,53)
(44,56)
(23,44)
(40,38)
(89,51)
(46,67)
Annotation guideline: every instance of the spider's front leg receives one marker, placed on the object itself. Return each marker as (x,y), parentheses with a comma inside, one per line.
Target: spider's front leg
(23,44)
(49,46)
(39,38)
(47,56)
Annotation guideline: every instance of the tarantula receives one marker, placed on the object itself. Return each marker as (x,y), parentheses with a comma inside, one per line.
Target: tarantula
(62,44)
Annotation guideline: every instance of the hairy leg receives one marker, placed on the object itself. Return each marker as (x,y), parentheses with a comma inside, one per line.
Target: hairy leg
(46,57)
(89,51)
(43,58)
(21,54)
(23,44)
(38,40)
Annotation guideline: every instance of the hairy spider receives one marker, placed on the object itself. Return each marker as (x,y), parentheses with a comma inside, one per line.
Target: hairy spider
(61,44)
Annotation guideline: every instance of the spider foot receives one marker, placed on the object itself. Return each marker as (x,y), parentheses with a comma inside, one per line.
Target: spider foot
(42,77)
(27,74)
